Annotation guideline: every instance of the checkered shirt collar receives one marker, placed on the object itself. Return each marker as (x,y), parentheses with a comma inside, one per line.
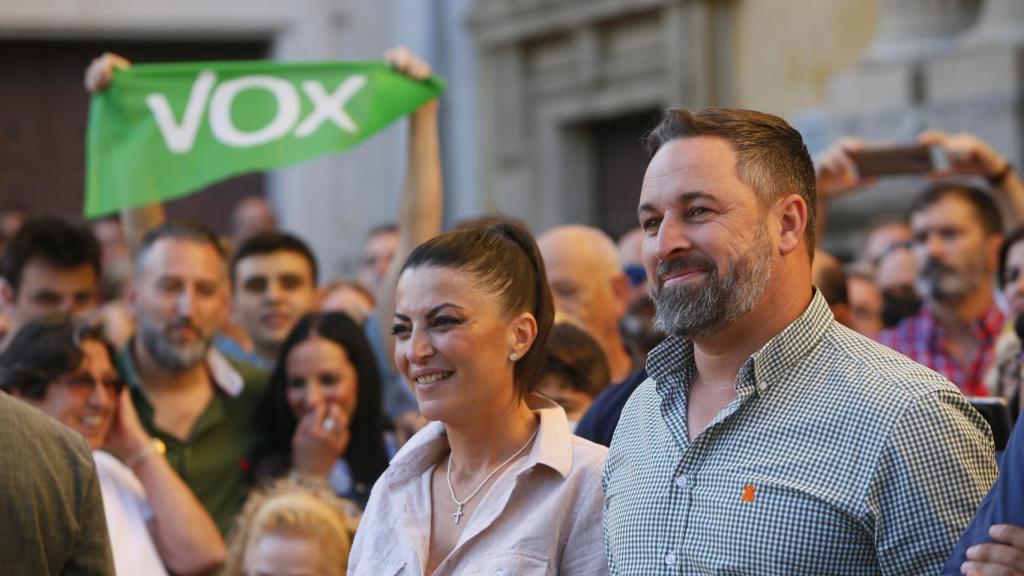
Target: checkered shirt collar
(671,363)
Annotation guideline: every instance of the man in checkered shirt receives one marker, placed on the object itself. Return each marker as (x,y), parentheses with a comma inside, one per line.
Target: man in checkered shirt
(769,439)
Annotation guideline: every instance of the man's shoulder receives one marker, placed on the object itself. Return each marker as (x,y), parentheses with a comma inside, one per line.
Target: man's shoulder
(873,373)
(253,375)
(30,437)
(17,415)
(877,356)
(233,350)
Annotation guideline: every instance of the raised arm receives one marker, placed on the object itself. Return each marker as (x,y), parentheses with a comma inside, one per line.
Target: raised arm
(419,217)
(836,176)
(137,222)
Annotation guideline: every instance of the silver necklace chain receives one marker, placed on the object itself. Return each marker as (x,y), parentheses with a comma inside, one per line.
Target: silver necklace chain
(448,474)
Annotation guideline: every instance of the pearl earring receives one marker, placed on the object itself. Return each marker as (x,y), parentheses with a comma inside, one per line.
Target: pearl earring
(512,356)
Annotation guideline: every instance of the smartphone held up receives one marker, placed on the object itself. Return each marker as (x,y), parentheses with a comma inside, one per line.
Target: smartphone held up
(913,159)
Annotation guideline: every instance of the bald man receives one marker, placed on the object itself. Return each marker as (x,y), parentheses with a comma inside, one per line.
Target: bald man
(588,284)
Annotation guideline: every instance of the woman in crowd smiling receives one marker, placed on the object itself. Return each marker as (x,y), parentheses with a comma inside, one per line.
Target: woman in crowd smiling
(156,524)
(496,482)
(324,407)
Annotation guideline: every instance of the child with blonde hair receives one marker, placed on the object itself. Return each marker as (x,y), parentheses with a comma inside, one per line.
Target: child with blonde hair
(293,526)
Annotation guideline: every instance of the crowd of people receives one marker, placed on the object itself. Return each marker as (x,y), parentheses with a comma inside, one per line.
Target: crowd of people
(711,394)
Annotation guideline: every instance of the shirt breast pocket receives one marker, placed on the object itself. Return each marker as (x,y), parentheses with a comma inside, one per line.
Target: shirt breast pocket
(790,521)
(511,563)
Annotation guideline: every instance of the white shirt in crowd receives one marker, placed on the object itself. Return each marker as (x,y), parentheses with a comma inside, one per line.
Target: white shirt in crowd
(128,514)
(541,516)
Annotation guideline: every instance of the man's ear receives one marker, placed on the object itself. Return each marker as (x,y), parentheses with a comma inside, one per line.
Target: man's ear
(792,222)
(131,295)
(620,289)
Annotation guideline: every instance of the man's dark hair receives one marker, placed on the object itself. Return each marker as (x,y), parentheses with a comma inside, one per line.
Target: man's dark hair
(54,241)
(984,205)
(270,242)
(179,230)
(771,156)
(573,355)
(504,259)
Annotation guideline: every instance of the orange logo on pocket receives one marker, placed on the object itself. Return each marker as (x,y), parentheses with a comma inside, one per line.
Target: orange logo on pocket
(749,493)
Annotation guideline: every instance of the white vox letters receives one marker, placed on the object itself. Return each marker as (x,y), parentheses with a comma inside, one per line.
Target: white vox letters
(327,107)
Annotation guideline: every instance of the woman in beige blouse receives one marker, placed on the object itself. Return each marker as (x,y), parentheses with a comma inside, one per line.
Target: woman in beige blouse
(496,483)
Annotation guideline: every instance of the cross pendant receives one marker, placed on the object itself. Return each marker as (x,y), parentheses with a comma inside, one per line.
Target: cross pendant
(457,514)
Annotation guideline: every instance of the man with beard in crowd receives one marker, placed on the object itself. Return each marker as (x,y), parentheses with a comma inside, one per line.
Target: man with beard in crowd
(957,234)
(769,439)
(198,406)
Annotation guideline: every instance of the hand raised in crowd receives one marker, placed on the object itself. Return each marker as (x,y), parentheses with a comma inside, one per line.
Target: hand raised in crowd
(1005,556)
(407,62)
(320,440)
(835,170)
(126,437)
(968,155)
(101,71)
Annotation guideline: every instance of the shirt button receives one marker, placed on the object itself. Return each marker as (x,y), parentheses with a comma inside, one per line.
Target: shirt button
(670,559)
(682,480)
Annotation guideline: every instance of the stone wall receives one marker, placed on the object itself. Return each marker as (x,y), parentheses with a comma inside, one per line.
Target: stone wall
(947,65)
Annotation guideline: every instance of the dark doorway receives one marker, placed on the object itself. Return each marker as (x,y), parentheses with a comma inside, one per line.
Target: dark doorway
(43,113)
(620,162)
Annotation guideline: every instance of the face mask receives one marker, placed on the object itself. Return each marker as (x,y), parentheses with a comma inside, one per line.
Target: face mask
(897,307)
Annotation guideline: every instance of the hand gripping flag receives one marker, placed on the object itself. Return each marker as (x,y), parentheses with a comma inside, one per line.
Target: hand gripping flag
(163,131)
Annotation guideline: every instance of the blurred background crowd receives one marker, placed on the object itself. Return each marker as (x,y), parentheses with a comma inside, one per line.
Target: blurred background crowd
(251,346)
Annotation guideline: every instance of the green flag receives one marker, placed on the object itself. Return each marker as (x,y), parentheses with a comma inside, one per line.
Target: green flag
(164,130)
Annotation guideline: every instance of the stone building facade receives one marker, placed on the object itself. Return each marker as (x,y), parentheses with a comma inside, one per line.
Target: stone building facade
(953,65)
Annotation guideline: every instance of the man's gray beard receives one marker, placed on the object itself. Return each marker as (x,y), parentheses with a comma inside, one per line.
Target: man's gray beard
(933,284)
(702,309)
(168,355)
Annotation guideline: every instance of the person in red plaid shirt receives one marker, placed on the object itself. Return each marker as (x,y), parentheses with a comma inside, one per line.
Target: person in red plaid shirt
(957,235)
